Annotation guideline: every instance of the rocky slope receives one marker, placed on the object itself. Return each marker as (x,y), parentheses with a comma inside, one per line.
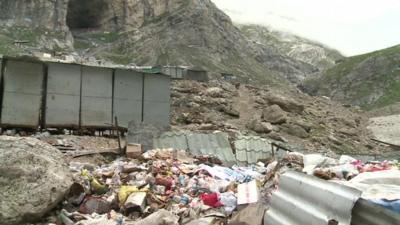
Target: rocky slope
(371,80)
(298,48)
(306,124)
(151,32)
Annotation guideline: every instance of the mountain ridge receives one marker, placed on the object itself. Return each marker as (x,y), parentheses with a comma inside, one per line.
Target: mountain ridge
(152,32)
(370,80)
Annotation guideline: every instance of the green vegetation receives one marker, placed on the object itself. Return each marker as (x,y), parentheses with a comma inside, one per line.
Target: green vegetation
(81,44)
(392,95)
(370,80)
(104,37)
(9,35)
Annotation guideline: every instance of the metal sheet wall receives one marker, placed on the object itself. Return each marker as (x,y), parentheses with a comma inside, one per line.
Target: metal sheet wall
(156,99)
(22,96)
(216,144)
(128,93)
(96,103)
(63,95)
(250,149)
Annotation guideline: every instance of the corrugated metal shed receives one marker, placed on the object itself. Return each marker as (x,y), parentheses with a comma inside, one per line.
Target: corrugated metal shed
(175,140)
(216,144)
(366,213)
(250,149)
(307,200)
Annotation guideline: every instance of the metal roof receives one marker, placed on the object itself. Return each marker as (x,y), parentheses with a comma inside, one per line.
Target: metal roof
(307,200)
(250,149)
(31,58)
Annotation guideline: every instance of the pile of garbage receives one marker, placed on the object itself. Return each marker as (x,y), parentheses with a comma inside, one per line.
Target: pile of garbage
(378,181)
(166,186)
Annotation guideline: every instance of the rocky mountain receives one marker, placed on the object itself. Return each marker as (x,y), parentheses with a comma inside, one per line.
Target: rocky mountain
(152,32)
(371,80)
(300,121)
(298,48)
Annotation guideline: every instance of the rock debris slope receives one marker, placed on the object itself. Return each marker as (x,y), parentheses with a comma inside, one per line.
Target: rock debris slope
(308,124)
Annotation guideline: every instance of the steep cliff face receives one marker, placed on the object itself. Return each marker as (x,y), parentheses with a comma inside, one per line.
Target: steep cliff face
(117,15)
(191,33)
(34,13)
(153,32)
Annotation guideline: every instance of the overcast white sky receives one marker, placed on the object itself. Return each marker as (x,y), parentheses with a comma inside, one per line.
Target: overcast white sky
(351,26)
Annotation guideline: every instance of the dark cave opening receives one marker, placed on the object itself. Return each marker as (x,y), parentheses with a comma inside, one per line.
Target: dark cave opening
(85,14)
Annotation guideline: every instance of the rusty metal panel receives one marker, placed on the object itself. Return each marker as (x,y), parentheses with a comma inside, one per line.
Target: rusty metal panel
(96,108)
(302,199)
(156,99)
(63,95)
(128,91)
(250,149)
(22,97)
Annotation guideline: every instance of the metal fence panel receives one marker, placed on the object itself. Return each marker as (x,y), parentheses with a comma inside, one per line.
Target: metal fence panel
(128,91)
(303,199)
(175,140)
(250,149)
(96,109)
(63,95)
(216,144)
(156,105)
(22,97)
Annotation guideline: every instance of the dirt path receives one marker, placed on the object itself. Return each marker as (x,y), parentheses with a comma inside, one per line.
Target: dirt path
(244,103)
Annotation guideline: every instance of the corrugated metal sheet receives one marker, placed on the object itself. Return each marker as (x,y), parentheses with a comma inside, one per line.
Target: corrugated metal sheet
(175,140)
(250,149)
(307,200)
(216,144)
(366,213)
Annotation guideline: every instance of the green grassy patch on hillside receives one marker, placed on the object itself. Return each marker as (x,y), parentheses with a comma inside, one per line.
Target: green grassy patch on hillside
(361,78)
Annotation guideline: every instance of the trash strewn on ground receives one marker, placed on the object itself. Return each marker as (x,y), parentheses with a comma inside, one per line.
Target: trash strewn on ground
(134,190)
(165,186)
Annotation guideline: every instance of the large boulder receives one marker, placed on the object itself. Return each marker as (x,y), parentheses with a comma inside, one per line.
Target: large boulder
(274,114)
(259,126)
(215,92)
(34,178)
(287,104)
(296,130)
